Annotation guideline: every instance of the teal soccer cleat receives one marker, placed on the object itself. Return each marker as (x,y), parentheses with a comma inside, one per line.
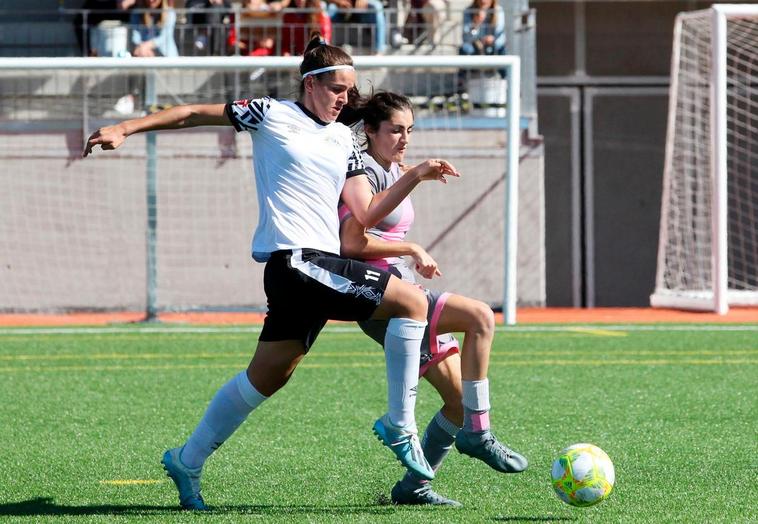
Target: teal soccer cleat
(485,447)
(187,480)
(424,495)
(405,445)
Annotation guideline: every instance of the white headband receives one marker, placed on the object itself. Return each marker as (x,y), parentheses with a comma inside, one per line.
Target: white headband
(327,69)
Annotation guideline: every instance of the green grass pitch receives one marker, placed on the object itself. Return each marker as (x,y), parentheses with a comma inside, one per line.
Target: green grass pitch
(86,415)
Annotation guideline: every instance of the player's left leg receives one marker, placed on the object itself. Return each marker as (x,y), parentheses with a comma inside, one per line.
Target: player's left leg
(445,376)
(269,370)
(476,320)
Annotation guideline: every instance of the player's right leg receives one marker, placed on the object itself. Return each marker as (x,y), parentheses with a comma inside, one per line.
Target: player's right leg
(406,307)
(344,289)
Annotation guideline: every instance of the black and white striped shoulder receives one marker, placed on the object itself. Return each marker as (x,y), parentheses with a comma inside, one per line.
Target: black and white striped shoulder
(247,114)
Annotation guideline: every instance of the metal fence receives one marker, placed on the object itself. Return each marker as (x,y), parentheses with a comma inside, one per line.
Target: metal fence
(73,233)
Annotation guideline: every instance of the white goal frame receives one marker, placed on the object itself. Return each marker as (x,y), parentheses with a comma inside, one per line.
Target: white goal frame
(509,63)
(719,297)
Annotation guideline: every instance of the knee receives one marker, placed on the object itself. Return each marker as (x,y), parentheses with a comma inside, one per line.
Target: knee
(403,300)
(417,305)
(467,49)
(411,304)
(483,319)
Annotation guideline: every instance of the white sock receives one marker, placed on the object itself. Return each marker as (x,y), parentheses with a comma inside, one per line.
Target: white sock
(476,405)
(402,345)
(476,394)
(229,408)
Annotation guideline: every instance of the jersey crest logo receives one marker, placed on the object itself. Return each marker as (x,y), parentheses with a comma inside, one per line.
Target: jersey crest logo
(372,275)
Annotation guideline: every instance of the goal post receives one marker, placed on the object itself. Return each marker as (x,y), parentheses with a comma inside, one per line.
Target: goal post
(708,242)
(164,223)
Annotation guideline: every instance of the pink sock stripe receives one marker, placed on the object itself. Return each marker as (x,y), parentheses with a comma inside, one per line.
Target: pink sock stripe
(435,319)
(480,421)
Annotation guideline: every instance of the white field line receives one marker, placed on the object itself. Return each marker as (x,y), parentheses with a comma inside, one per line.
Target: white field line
(593,329)
(373,353)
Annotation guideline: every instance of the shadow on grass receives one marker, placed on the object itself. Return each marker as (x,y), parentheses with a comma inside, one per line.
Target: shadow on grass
(46,506)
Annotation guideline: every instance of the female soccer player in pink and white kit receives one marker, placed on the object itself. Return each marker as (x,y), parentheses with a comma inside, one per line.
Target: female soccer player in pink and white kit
(461,380)
(304,162)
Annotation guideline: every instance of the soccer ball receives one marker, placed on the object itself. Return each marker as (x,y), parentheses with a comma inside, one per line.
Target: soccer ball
(583,475)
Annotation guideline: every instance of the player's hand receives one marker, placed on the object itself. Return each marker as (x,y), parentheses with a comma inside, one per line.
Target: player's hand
(426,266)
(435,169)
(107,138)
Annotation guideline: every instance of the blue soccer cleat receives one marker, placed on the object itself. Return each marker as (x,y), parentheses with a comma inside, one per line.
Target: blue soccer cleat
(485,447)
(405,445)
(187,480)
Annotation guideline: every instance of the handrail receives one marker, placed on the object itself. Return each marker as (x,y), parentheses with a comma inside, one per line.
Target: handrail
(243,62)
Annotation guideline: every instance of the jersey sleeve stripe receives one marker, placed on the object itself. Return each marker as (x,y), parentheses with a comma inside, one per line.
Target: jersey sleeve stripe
(232,117)
(247,114)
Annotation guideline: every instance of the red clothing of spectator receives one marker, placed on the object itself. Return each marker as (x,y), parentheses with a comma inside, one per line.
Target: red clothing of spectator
(297,28)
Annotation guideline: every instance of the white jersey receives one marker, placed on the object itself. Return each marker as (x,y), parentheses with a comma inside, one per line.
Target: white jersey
(300,165)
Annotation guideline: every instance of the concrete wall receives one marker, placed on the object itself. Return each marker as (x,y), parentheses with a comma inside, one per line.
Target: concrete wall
(73,231)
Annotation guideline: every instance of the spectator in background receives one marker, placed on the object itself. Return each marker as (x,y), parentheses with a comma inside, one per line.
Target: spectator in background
(211,23)
(483,29)
(423,20)
(153,29)
(299,26)
(255,39)
(340,11)
(99,11)
(278,5)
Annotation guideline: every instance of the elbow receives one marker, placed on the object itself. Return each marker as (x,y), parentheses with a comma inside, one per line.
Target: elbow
(352,248)
(365,219)
(349,250)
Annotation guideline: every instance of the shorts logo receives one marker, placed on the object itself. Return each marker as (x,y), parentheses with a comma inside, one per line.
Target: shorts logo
(372,275)
(368,292)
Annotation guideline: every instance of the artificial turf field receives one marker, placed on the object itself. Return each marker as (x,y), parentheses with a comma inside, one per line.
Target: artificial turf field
(86,415)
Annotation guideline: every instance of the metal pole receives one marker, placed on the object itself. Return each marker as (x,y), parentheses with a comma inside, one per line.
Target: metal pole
(513,101)
(718,162)
(151,314)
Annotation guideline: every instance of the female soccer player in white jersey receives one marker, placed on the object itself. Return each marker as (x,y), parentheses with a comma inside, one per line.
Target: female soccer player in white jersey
(304,161)
(387,124)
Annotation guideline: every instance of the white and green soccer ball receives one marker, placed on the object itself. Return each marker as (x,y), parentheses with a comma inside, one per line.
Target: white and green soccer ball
(583,475)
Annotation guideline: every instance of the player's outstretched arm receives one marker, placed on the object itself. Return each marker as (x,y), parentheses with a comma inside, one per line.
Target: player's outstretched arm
(369,208)
(177,117)
(356,243)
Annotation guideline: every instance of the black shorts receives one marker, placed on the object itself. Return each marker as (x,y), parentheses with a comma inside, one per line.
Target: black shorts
(306,287)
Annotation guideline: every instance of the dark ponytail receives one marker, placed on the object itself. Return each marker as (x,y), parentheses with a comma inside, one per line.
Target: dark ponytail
(352,112)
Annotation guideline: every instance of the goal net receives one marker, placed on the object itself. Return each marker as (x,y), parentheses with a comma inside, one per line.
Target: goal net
(164,223)
(708,245)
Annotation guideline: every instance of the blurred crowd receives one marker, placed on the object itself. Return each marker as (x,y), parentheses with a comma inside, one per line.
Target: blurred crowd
(170,28)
